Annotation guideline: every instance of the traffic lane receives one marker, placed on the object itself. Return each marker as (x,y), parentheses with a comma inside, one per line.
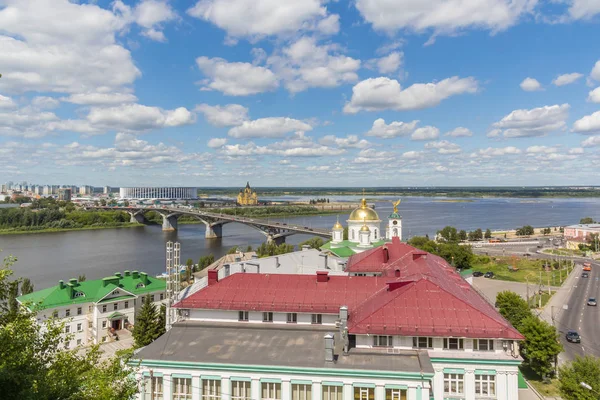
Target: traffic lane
(591,315)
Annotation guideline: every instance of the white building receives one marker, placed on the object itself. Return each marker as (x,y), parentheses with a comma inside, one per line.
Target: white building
(179,193)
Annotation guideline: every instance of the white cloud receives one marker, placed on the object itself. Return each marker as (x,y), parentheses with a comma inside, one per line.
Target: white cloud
(592,141)
(425,133)
(459,132)
(347,142)
(253,18)
(236,78)
(318,168)
(149,14)
(372,156)
(496,152)
(594,95)
(306,64)
(6,102)
(412,155)
(375,94)
(535,122)
(584,9)
(100,99)
(442,16)
(137,117)
(26,122)
(44,102)
(391,130)
(387,64)
(541,150)
(307,148)
(268,127)
(588,124)
(444,147)
(576,150)
(441,168)
(595,74)
(567,79)
(215,143)
(530,85)
(228,115)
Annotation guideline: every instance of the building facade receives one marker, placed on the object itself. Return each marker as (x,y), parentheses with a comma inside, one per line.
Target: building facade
(94,310)
(64,194)
(167,193)
(247,196)
(581,231)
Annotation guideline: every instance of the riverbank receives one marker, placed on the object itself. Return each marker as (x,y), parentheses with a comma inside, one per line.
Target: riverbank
(16,231)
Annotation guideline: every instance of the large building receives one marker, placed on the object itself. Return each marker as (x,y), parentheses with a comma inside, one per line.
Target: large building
(166,193)
(92,309)
(581,231)
(406,326)
(247,196)
(64,194)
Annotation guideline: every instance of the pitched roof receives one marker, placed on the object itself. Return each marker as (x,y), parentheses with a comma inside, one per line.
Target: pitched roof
(66,293)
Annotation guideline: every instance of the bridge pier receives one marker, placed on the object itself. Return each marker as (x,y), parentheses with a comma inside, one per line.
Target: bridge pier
(213,231)
(277,240)
(169,222)
(137,217)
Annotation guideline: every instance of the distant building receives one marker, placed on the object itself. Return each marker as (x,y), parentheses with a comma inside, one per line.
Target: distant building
(4,188)
(106,190)
(85,190)
(166,193)
(581,231)
(247,196)
(91,309)
(64,194)
(47,190)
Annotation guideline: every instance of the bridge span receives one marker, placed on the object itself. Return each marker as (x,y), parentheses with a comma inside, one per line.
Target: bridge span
(274,231)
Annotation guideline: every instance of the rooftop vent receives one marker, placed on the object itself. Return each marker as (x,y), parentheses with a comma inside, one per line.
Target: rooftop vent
(143,277)
(61,284)
(322,276)
(328,347)
(72,281)
(135,274)
(127,273)
(213,276)
(419,254)
(118,275)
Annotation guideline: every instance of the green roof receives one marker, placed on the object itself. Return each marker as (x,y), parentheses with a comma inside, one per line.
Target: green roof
(394,216)
(73,292)
(347,248)
(115,315)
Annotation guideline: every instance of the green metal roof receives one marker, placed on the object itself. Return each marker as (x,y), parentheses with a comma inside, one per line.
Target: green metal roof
(347,248)
(115,315)
(395,216)
(92,290)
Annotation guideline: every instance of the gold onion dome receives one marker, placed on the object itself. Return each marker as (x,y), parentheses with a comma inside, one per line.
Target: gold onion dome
(363,213)
(338,225)
(365,228)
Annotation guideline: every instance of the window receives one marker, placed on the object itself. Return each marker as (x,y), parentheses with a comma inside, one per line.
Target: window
(89,309)
(332,392)
(382,341)
(67,312)
(454,384)
(301,391)
(485,386)
(267,317)
(240,390)
(67,344)
(292,318)
(55,314)
(211,389)
(126,304)
(103,339)
(104,308)
(352,233)
(453,344)
(79,328)
(162,296)
(79,294)
(483,344)
(103,324)
(143,299)
(154,384)
(182,388)
(242,315)
(115,292)
(361,393)
(151,297)
(79,311)
(78,342)
(316,319)
(67,328)
(423,342)
(139,285)
(270,391)
(115,306)
(375,234)
(395,394)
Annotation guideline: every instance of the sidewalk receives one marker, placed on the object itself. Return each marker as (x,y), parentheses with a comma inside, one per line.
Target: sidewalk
(554,307)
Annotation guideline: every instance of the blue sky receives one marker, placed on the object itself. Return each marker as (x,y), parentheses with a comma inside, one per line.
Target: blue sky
(302,93)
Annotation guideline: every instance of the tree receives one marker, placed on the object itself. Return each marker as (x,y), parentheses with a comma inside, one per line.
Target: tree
(526,230)
(478,234)
(233,250)
(453,253)
(205,261)
(462,235)
(512,307)
(147,328)
(448,234)
(81,278)
(488,234)
(314,243)
(188,271)
(587,220)
(586,369)
(162,319)
(541,345)
(26,286)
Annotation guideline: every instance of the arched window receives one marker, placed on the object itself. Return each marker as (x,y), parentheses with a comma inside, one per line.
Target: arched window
(140,285)
(79,294)
(375,234)
(352,233)
(395,232)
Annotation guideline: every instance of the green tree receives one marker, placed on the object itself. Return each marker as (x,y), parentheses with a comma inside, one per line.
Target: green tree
(448,234)
(146,329)
(488,234)
(103,202)
(478,234)
(462,235)
(162,319)
(541,345)
(512,307)
(188,270)
(205,261)
(81,278)
(587,220)
(26,286)
(314,243)
(526,230)
(248,249)
(453,253)
(233,250)
(586,369)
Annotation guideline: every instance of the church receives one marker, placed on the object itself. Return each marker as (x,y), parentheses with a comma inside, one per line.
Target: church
(247,196)
(364,231)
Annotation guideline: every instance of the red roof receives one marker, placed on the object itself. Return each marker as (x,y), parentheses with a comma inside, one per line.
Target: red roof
(419,294)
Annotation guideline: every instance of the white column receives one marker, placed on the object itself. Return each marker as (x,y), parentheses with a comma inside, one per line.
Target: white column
(513,385)
(470,384)
(411,394)
(379,392)
(286,390)
(501,380)
(225,388)
(348,392)
(196,387)
(255,389)
(316,391)
(438,384)
(167,387)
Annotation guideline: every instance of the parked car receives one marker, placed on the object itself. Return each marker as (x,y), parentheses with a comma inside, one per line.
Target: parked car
(573,337)
(587,267)
(592,301)
(489,274)
(585,275)
(477,273)
(527,255)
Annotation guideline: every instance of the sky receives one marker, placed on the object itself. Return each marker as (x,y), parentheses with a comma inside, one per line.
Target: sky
(300,93)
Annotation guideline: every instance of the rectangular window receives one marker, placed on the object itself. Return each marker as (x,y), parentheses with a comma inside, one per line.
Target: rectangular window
(79,311)
(242,315)
(292,318)
(332,392)
(104,308)
(162,296)
(78,342)
(485,386)
(55,314)
(382,341)
(453,344)
(267,317)
(153,385)
(301,391)
(362,393)
(182,388)
(483,344)
(454,384)
(90,324)
(270,391)
(103,324)
(240,390)
(103,339)
(395,394)
(67,312)
(67,328)
(115,306)
(151,297)
(89,309)
(316,319)
(79,328)
(211,389)
(126,304)
(423,342)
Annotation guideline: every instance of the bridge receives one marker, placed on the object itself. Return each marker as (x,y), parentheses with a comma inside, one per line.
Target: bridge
(275,232)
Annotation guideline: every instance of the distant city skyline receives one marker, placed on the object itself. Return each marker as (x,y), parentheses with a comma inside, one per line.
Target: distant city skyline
(300,93)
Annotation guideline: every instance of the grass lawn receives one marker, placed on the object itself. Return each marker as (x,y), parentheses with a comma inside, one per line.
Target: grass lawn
(549,389)
(527,269)
(564,252)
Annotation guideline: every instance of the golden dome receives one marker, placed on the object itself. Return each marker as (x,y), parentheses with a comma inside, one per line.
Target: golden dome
(365,228)
(338,225)
(363,213)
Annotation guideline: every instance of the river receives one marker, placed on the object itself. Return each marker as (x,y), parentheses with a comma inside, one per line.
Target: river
(49,257)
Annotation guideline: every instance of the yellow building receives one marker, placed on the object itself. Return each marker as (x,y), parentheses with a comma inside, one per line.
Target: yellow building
(247,196)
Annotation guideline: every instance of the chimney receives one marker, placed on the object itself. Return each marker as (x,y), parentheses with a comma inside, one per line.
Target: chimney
(323,260)
(135,274)
(143,277)
(386,255)
(328,347)
(118,275)
(61,284)
(322,276)
(397,273)
(344,314)
(126,272)
(419,254)
(213,276)
(73,281)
